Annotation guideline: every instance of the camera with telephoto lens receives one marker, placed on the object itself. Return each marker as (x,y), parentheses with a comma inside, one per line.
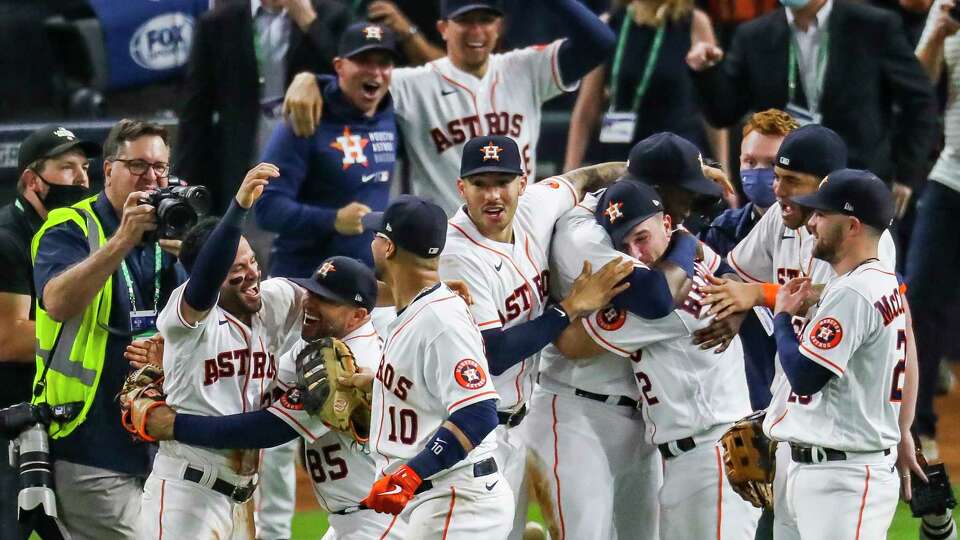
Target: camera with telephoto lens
(178,208)
(25,425)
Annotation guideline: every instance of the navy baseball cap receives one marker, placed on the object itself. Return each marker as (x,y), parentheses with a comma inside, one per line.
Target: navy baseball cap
(624,205)
(343,280)
(667,159)
(495,153)
(51,141)
(413,224)
(454,8)
(854,192)
(812,149)
(367,36)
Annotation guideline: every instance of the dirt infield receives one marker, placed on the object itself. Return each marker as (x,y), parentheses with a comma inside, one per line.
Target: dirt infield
(947,406)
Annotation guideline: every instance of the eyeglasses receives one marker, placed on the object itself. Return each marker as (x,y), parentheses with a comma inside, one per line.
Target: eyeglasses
(139,167)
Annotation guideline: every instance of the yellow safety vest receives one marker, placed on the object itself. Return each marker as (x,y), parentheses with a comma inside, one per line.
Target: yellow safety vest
(74,349)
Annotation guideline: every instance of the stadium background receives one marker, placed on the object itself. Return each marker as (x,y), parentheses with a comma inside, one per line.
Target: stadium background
(94,61)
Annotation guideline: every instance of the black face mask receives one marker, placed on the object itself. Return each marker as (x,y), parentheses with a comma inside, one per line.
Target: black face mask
(59,196)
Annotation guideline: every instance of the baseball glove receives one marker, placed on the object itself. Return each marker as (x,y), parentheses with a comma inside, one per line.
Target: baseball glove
(319,365)
(141,392)
(748,456)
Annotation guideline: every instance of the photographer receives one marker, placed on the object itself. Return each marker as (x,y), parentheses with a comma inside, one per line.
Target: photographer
(53,173)
(99,284)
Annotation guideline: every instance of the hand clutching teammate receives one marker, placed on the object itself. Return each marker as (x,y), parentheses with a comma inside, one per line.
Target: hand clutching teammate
(141,392)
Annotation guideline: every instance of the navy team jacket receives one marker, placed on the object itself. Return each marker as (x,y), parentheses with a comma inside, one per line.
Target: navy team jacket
(349,158)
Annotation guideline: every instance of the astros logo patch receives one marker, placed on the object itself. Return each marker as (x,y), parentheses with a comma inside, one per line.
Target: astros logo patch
(611,318)
(826,334)
(326,268)
(491,151)
(373,32)
(469,374)
(352,147)
(292,400)
(613,211)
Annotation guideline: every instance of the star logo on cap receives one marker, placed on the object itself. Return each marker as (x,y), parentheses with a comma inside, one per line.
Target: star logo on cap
(326,268)
(613,211)
(373,32)
(491,151)
(64,133)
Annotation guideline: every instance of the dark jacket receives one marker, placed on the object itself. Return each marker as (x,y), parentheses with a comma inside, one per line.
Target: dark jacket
(870,69)
(216,141)
(349,158)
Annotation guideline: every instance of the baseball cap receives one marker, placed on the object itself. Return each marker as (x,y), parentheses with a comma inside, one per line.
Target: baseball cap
(624,205)
(854,192)
(343,280)
(454,8)
(667,159)
(367,36)
(51,141)
(495,153)
(413,224)
(812,149)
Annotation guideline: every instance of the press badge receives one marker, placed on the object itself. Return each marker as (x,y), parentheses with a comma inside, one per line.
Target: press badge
(618,127)
(803,115)
(143,321)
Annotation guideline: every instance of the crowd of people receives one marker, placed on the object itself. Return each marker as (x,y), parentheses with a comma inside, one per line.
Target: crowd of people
(580,341)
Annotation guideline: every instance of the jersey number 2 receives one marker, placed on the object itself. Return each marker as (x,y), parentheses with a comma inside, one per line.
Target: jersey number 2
(315,463)
(896,391)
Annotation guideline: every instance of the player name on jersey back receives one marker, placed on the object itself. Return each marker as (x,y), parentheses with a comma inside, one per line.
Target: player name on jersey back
(858,333)
(432,365)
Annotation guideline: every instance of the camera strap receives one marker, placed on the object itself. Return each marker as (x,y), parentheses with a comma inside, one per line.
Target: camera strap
(128,279)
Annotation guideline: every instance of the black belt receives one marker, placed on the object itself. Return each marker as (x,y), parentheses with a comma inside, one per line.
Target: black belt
(806,454)
(239,494)
(512,419)
(684,445)
(480,468)
(622,401)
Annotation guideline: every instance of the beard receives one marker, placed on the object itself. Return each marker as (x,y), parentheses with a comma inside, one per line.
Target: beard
(828,244)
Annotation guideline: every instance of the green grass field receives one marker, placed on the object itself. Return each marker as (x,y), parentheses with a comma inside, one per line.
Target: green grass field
(311,525)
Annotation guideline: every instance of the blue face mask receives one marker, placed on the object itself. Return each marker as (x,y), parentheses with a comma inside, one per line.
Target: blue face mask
(795,4)
(758,185)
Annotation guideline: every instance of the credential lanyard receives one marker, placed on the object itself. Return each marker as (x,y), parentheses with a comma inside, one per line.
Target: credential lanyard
(128,280)
(648,68)
(813,101)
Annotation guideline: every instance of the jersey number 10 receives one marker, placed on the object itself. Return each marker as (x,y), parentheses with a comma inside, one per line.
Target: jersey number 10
(406,421)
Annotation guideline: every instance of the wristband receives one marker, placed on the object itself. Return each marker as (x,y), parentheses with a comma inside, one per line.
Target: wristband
(770,291)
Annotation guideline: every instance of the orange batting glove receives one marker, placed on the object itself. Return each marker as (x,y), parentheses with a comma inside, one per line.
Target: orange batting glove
(391,493)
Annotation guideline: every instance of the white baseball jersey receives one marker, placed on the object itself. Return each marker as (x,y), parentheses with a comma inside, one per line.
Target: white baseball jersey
(859,334)
(342,472)
(432,365)
(509,281)
(686,390)
(578,237)
(439,108)
(221,366)
(772,253)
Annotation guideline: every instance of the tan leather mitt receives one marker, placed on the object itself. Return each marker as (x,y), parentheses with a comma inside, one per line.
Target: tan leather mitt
(319,365)
(748,456)
(142,391)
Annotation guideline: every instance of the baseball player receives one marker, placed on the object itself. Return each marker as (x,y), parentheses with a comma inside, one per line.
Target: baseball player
(341,294)
(780,248)
(224,329)
(498,243)
(690,395)
(471,92)
(590,406)
(434,406)
(846,368)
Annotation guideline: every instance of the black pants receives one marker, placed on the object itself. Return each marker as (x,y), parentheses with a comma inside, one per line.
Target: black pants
(932,263)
